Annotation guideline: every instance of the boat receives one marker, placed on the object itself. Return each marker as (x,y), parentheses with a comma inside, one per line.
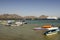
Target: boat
(51,32)
(46,27)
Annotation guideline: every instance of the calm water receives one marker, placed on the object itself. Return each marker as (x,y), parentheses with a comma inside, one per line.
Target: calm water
(42,22)
(26,31)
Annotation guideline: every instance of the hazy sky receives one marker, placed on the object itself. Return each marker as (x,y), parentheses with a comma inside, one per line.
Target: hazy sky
(30,7)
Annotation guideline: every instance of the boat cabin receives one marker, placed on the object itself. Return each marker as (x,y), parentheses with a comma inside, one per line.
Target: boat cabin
(46,26)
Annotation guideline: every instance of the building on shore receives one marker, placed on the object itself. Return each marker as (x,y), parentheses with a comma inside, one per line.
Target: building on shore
(52,17)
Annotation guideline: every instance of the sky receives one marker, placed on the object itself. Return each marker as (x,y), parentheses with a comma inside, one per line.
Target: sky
(30,7)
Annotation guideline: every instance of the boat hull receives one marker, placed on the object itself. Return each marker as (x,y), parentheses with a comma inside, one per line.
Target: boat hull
(51,33)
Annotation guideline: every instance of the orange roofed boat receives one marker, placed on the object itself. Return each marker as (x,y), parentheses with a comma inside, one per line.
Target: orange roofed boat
(47,26)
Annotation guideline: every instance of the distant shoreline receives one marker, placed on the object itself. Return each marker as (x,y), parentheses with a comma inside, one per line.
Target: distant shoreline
(27,19)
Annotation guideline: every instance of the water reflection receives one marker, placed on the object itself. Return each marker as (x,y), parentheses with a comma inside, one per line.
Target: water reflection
(51,37)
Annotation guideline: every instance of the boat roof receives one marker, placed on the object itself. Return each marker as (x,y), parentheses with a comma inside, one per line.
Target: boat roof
(47,26)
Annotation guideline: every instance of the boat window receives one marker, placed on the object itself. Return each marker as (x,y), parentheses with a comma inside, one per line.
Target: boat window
(47,31)
(50,31)
(53,30)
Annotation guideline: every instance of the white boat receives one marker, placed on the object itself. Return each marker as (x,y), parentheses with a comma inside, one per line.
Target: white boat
(49,29)
(39,28)
(51,32)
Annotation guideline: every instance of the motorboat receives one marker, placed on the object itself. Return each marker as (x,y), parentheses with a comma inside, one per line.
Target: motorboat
(51,32)
(46,27)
